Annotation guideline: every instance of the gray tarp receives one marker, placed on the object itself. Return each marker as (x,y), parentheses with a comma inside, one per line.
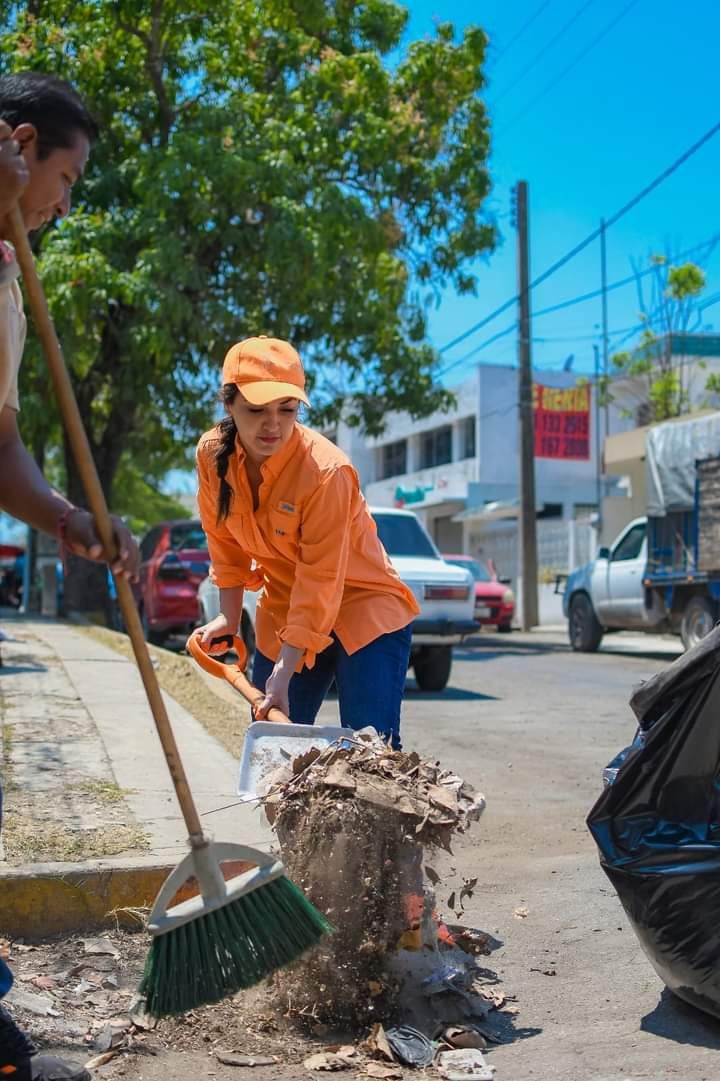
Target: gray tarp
(672,449)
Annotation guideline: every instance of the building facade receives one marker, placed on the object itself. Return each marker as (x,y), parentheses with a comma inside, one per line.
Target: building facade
(459,471)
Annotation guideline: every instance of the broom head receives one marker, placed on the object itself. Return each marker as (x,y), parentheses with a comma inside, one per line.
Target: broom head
(230,938)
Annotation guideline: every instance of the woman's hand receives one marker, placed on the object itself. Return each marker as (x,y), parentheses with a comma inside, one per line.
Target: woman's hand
(276,692)
(216,628)
(278,682)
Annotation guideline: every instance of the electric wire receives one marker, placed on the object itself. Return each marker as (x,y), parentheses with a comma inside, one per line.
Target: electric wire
(526,26)
(570,67)
(625,209)
(541,55)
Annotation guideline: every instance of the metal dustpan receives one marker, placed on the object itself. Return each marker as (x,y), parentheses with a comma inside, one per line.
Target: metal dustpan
(271,743)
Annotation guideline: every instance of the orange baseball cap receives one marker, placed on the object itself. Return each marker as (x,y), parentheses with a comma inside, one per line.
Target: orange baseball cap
(265,369)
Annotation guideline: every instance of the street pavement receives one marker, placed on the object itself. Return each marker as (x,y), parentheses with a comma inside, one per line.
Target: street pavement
(531,725)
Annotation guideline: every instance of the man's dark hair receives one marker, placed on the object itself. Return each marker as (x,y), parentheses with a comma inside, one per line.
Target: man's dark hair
(51,105)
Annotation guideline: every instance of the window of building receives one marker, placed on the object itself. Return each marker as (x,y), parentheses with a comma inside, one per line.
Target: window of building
(394,459)
(468,437)
(436,447)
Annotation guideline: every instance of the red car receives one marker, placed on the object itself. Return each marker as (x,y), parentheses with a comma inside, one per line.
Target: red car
(494,600)
(174,561)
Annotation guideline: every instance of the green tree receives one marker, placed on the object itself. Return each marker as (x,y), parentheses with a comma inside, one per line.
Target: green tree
(656,369)
(283,168)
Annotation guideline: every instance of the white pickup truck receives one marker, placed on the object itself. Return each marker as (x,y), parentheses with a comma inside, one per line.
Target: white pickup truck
(445,594)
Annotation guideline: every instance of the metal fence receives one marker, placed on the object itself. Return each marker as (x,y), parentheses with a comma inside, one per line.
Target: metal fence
(561,546)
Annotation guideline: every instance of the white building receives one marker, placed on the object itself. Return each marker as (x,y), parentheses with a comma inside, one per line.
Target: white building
(461,468)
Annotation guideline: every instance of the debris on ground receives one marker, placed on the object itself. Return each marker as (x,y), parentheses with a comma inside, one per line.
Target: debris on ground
(353,821)
(464,1066)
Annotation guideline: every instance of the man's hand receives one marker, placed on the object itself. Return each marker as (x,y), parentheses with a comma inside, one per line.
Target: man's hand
(13,170)
(82,540)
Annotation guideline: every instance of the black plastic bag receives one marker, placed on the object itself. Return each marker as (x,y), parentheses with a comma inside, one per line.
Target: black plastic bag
(657,825)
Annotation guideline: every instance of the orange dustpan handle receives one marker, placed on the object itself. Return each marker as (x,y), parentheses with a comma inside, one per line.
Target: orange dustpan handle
(233,673)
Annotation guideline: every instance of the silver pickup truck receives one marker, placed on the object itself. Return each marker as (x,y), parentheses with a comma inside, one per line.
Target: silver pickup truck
(651,579)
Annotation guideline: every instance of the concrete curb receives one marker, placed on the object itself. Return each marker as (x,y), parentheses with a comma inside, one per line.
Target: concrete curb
(44,899)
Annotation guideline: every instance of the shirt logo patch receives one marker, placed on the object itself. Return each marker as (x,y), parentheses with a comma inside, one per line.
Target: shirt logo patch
(289,508)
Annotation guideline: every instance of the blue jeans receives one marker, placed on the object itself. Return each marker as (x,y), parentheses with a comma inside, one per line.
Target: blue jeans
(370,683)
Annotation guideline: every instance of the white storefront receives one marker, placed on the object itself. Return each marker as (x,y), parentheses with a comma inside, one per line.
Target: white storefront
(452,468)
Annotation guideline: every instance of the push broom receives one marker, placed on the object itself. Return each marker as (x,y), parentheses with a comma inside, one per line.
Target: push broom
(234,933)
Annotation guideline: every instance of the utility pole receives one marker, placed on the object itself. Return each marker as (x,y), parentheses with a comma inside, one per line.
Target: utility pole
(598,442)
(528,535)
(605,348)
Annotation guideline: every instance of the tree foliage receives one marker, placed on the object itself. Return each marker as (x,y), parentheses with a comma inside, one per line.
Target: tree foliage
(262,169)
(656,367)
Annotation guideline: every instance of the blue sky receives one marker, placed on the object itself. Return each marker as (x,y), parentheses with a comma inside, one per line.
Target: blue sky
(639,98)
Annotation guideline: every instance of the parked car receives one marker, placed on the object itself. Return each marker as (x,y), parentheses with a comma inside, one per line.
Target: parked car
(444,593)
(174,561)
(494,600)
(209,600)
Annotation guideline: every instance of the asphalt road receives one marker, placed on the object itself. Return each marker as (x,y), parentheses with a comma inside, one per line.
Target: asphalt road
(532,725)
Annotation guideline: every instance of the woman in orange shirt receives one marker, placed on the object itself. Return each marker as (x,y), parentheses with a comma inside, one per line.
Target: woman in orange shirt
(283,511)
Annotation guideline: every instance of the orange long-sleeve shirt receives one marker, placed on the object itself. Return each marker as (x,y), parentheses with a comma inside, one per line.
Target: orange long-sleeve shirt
(315,545)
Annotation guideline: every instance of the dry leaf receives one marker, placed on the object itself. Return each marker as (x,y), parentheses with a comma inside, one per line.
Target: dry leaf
(324,1061)
(229,1059)
(376,1044)
(376,1069)
(100,1060)
(498,998)
(432,875)
(464,1037)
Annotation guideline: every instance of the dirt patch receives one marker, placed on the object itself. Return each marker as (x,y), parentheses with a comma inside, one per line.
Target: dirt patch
(76,996)
(178,677)
(29,841)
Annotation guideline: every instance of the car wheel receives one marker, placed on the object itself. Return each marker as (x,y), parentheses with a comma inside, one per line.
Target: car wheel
(504,628)
(432,667)
(697,621)
(583,627)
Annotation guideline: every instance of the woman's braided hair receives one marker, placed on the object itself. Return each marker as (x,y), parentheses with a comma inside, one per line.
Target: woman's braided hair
(228,434)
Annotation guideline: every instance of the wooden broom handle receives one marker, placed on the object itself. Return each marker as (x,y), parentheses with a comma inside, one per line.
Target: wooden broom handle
(98,506)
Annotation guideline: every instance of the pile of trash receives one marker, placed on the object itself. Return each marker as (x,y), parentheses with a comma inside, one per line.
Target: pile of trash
(433,802)
(353,821)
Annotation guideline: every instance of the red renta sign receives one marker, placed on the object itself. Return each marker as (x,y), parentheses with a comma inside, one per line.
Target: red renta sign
(562,422)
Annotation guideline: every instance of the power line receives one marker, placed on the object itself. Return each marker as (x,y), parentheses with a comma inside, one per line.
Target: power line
(628,331)
(573,64)
(630,280)
(523,28)
(540,56)
(590,238)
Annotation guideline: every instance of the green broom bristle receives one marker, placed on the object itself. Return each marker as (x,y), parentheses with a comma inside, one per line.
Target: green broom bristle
(229,949)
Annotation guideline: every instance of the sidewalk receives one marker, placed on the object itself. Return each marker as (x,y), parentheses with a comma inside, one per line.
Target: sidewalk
(84,774)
